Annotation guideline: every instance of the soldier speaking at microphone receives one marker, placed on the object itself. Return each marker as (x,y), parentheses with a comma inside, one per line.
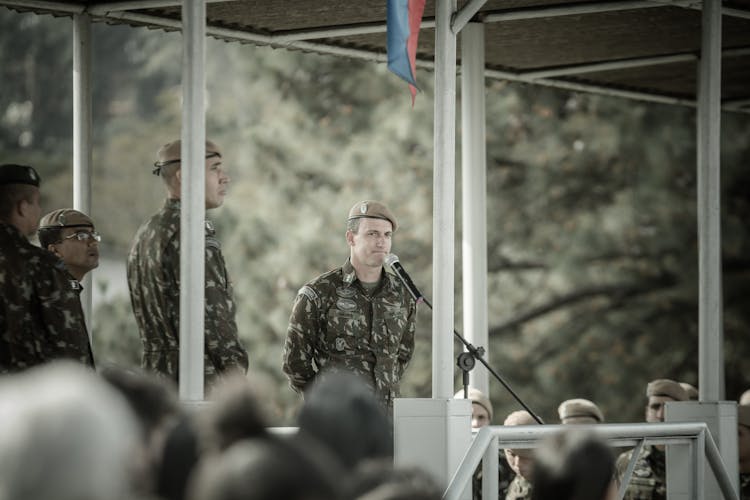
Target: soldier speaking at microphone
(358,317)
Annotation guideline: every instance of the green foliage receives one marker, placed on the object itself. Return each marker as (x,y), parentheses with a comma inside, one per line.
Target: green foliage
(591,216)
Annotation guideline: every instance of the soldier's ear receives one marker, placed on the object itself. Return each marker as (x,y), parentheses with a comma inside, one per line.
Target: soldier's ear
(350,238)
(53,248)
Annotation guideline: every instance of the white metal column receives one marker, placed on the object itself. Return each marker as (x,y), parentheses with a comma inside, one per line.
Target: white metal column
(444,185)
(192,240)
(82,135)
(710,327)
(474,195)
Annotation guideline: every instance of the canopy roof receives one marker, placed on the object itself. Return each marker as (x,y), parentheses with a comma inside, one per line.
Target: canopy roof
(641,48)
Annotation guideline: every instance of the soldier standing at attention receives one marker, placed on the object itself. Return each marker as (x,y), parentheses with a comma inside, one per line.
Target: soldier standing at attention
(649,474)
(154,278)
(356,318)
(40,313)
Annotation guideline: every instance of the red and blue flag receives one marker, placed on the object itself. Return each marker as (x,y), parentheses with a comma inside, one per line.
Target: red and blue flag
(403,21)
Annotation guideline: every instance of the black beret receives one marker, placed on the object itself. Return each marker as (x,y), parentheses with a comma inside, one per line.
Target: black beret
(18,174)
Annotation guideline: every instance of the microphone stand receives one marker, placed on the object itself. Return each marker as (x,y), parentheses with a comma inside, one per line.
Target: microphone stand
(467,360)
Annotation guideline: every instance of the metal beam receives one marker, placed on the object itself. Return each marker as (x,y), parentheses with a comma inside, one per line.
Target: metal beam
(710,325)
(100,9)
(192,202)
(464,15)
(474,195)
(444,200)
(576,69)
(82,136)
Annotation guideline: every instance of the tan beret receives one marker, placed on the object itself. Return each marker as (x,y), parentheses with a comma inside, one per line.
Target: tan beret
(666,387)
(478,397)
(171,153)
(743,415)
(520,417)
(374,210)
(579,411)
(65,217)
(745,398)
(690,390)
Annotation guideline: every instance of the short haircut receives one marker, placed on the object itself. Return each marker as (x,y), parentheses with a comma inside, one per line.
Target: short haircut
(169,172)
(353,225)
(12,194)
(572,465)
(49,236)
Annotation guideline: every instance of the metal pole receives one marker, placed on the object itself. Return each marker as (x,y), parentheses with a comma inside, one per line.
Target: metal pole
(474,195)
(192,236)
(710,328)
(444,183)
(82,135)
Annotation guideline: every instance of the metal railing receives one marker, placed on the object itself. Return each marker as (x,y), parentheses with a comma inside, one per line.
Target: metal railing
(490,439)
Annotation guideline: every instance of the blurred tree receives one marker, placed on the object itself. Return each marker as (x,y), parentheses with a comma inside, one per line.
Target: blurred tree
(591,204)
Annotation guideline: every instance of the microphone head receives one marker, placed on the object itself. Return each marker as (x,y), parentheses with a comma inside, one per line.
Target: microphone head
(391,259)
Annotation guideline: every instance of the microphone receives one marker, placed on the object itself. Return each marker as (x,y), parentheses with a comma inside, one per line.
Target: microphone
(392,260)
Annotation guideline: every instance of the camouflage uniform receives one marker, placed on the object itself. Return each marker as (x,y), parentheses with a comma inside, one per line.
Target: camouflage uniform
(745,486)
(648,480)
(336,324)
(154,283)
(41,318)
(505,476)
(519,489)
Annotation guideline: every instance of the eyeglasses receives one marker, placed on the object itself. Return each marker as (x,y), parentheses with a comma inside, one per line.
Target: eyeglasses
(84,236)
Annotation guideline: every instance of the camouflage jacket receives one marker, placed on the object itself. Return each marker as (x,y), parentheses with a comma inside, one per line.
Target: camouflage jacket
(505,476)
(154,282)
(745,486)
(337,325)
(41,318)
(648,481)
(519,489)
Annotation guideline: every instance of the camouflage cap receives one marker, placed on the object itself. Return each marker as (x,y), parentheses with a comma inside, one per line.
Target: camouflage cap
(579,411)
(743,415)
(373,210)
(666,387)
(18,174)
(65,217)
(690,390)
(171,153)
(478,397)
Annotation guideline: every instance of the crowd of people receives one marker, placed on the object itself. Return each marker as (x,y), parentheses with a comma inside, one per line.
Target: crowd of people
(95,431)
(576,464)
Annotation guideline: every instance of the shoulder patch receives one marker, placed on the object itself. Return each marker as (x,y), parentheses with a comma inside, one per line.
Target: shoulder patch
(212,242)
(308,292)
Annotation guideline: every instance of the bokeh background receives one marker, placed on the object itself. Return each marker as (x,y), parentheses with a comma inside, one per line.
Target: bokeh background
(591,216)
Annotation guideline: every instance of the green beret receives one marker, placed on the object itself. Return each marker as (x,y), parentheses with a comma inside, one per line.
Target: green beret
(18,174)
(743,415)
(65,217)
(478,397)
(666,387)
(579,411)
(373,210)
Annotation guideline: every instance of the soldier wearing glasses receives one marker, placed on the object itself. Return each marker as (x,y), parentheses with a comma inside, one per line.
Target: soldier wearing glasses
(40,313)
(70,235)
